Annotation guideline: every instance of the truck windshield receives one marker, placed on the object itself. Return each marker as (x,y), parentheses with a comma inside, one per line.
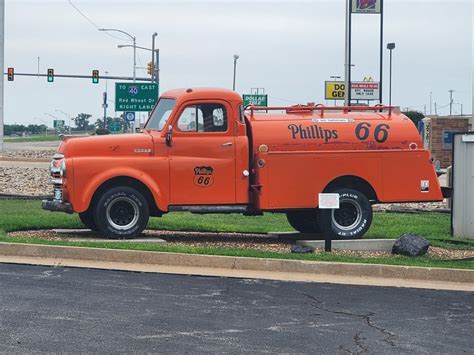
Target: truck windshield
(160,114)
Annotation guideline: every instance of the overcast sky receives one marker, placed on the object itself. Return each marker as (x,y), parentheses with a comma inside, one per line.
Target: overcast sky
(287,47)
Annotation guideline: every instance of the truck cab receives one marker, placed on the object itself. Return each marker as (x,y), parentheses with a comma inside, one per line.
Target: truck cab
(202,152)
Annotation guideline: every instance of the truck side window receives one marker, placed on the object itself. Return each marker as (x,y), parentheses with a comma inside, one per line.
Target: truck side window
(203,118)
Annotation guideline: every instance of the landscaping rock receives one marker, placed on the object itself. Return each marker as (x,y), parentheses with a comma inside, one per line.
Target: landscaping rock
(301,249)
(410,245)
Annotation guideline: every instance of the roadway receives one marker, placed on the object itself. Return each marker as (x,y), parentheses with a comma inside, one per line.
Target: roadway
(83,310)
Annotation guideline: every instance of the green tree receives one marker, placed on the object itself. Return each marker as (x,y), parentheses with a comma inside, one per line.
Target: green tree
(82,121)
(415,116)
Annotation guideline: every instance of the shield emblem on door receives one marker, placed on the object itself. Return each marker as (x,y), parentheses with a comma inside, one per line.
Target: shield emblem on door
(203,176)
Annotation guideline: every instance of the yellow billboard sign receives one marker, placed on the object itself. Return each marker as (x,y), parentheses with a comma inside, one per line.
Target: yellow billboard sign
(335,90)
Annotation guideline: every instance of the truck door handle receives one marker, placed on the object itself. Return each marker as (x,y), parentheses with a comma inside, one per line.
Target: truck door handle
(228,144)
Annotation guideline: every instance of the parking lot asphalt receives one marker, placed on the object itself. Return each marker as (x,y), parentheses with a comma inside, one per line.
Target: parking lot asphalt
(83,310)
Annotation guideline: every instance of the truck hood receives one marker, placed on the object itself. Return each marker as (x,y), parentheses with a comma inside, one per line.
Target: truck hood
(107,145)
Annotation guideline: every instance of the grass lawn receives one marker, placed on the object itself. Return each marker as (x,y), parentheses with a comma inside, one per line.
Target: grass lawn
(35,138)
(23,215)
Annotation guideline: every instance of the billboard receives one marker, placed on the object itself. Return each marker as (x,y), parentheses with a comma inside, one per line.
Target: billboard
(334,90)
(365,90)
(360,90)
(366,6)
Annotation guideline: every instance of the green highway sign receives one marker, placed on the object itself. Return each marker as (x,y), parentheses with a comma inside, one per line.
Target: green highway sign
(58,124)
(115,127)
(135,97)
(256,100)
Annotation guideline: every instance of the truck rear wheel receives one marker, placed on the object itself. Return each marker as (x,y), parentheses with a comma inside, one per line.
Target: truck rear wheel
(303,221)
(351,220)
(121,212)
(87,219)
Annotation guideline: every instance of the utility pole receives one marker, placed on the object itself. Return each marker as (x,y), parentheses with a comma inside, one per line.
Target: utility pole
(347,75)
(104,103)
(431,98)
(2,46)
(235,70)
(451,102)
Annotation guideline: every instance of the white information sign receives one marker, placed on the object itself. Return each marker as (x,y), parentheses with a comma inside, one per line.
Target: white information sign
(328,201)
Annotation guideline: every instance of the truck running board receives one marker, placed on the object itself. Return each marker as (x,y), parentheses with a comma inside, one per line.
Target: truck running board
(201,209)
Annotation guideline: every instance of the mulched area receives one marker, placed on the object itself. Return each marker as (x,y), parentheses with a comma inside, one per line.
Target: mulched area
(261,242)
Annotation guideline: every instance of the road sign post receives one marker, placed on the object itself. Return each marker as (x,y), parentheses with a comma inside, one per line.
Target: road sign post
(135,97)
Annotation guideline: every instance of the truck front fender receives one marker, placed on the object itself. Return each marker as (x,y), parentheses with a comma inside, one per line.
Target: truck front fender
(86,193)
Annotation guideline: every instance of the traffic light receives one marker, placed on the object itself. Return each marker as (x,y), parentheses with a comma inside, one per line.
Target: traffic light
(50,75)
(11,74)
(95,77)
(150,68)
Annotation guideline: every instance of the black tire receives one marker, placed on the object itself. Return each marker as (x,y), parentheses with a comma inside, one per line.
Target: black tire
(121,213)
(351,220)
(303,221)
(87,219)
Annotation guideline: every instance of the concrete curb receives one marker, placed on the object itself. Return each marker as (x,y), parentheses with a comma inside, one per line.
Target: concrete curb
(294,269)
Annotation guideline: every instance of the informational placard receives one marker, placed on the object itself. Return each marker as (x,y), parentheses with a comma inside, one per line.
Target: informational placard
(364,90)
(328,201)
(135,96)
(366,6)
(256,100)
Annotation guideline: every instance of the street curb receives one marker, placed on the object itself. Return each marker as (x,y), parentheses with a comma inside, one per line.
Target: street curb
(150,258)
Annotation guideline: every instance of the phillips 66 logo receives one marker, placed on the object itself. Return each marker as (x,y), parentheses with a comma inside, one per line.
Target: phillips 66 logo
(203,176)
(366,6)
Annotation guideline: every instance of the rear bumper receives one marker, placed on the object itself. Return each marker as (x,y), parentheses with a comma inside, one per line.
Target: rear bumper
(56,206)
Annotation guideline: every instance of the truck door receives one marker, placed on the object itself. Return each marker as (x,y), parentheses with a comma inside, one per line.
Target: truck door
(202,155)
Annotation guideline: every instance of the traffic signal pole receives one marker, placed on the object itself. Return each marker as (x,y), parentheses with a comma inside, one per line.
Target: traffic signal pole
(2,45)
(75,76)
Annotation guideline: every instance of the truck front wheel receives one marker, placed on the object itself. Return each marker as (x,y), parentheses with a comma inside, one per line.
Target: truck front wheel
(303,221)
(121,212)
(351,220)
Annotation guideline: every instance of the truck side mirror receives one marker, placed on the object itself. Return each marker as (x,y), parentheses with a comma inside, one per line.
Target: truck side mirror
(169,135)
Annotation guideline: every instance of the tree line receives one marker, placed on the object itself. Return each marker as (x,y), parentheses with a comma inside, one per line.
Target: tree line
(82,122)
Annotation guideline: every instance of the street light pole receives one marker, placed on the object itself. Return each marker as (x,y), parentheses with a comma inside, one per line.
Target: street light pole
(157,55)
(390,47)
(235,70)
(134,40)
(451,102)
(153,78)
(334,77)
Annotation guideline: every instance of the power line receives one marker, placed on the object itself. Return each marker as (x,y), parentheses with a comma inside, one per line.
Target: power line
(92,22)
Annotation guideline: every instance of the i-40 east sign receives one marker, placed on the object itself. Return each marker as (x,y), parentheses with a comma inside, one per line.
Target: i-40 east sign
(135,97)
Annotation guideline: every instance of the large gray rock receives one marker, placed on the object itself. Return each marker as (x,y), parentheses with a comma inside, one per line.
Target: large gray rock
(410,245)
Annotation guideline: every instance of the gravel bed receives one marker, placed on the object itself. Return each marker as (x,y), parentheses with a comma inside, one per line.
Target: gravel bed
(261,242)
(27,154)
(25,181)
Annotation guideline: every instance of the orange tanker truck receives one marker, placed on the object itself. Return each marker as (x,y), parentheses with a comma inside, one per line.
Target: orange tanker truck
(201,151)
